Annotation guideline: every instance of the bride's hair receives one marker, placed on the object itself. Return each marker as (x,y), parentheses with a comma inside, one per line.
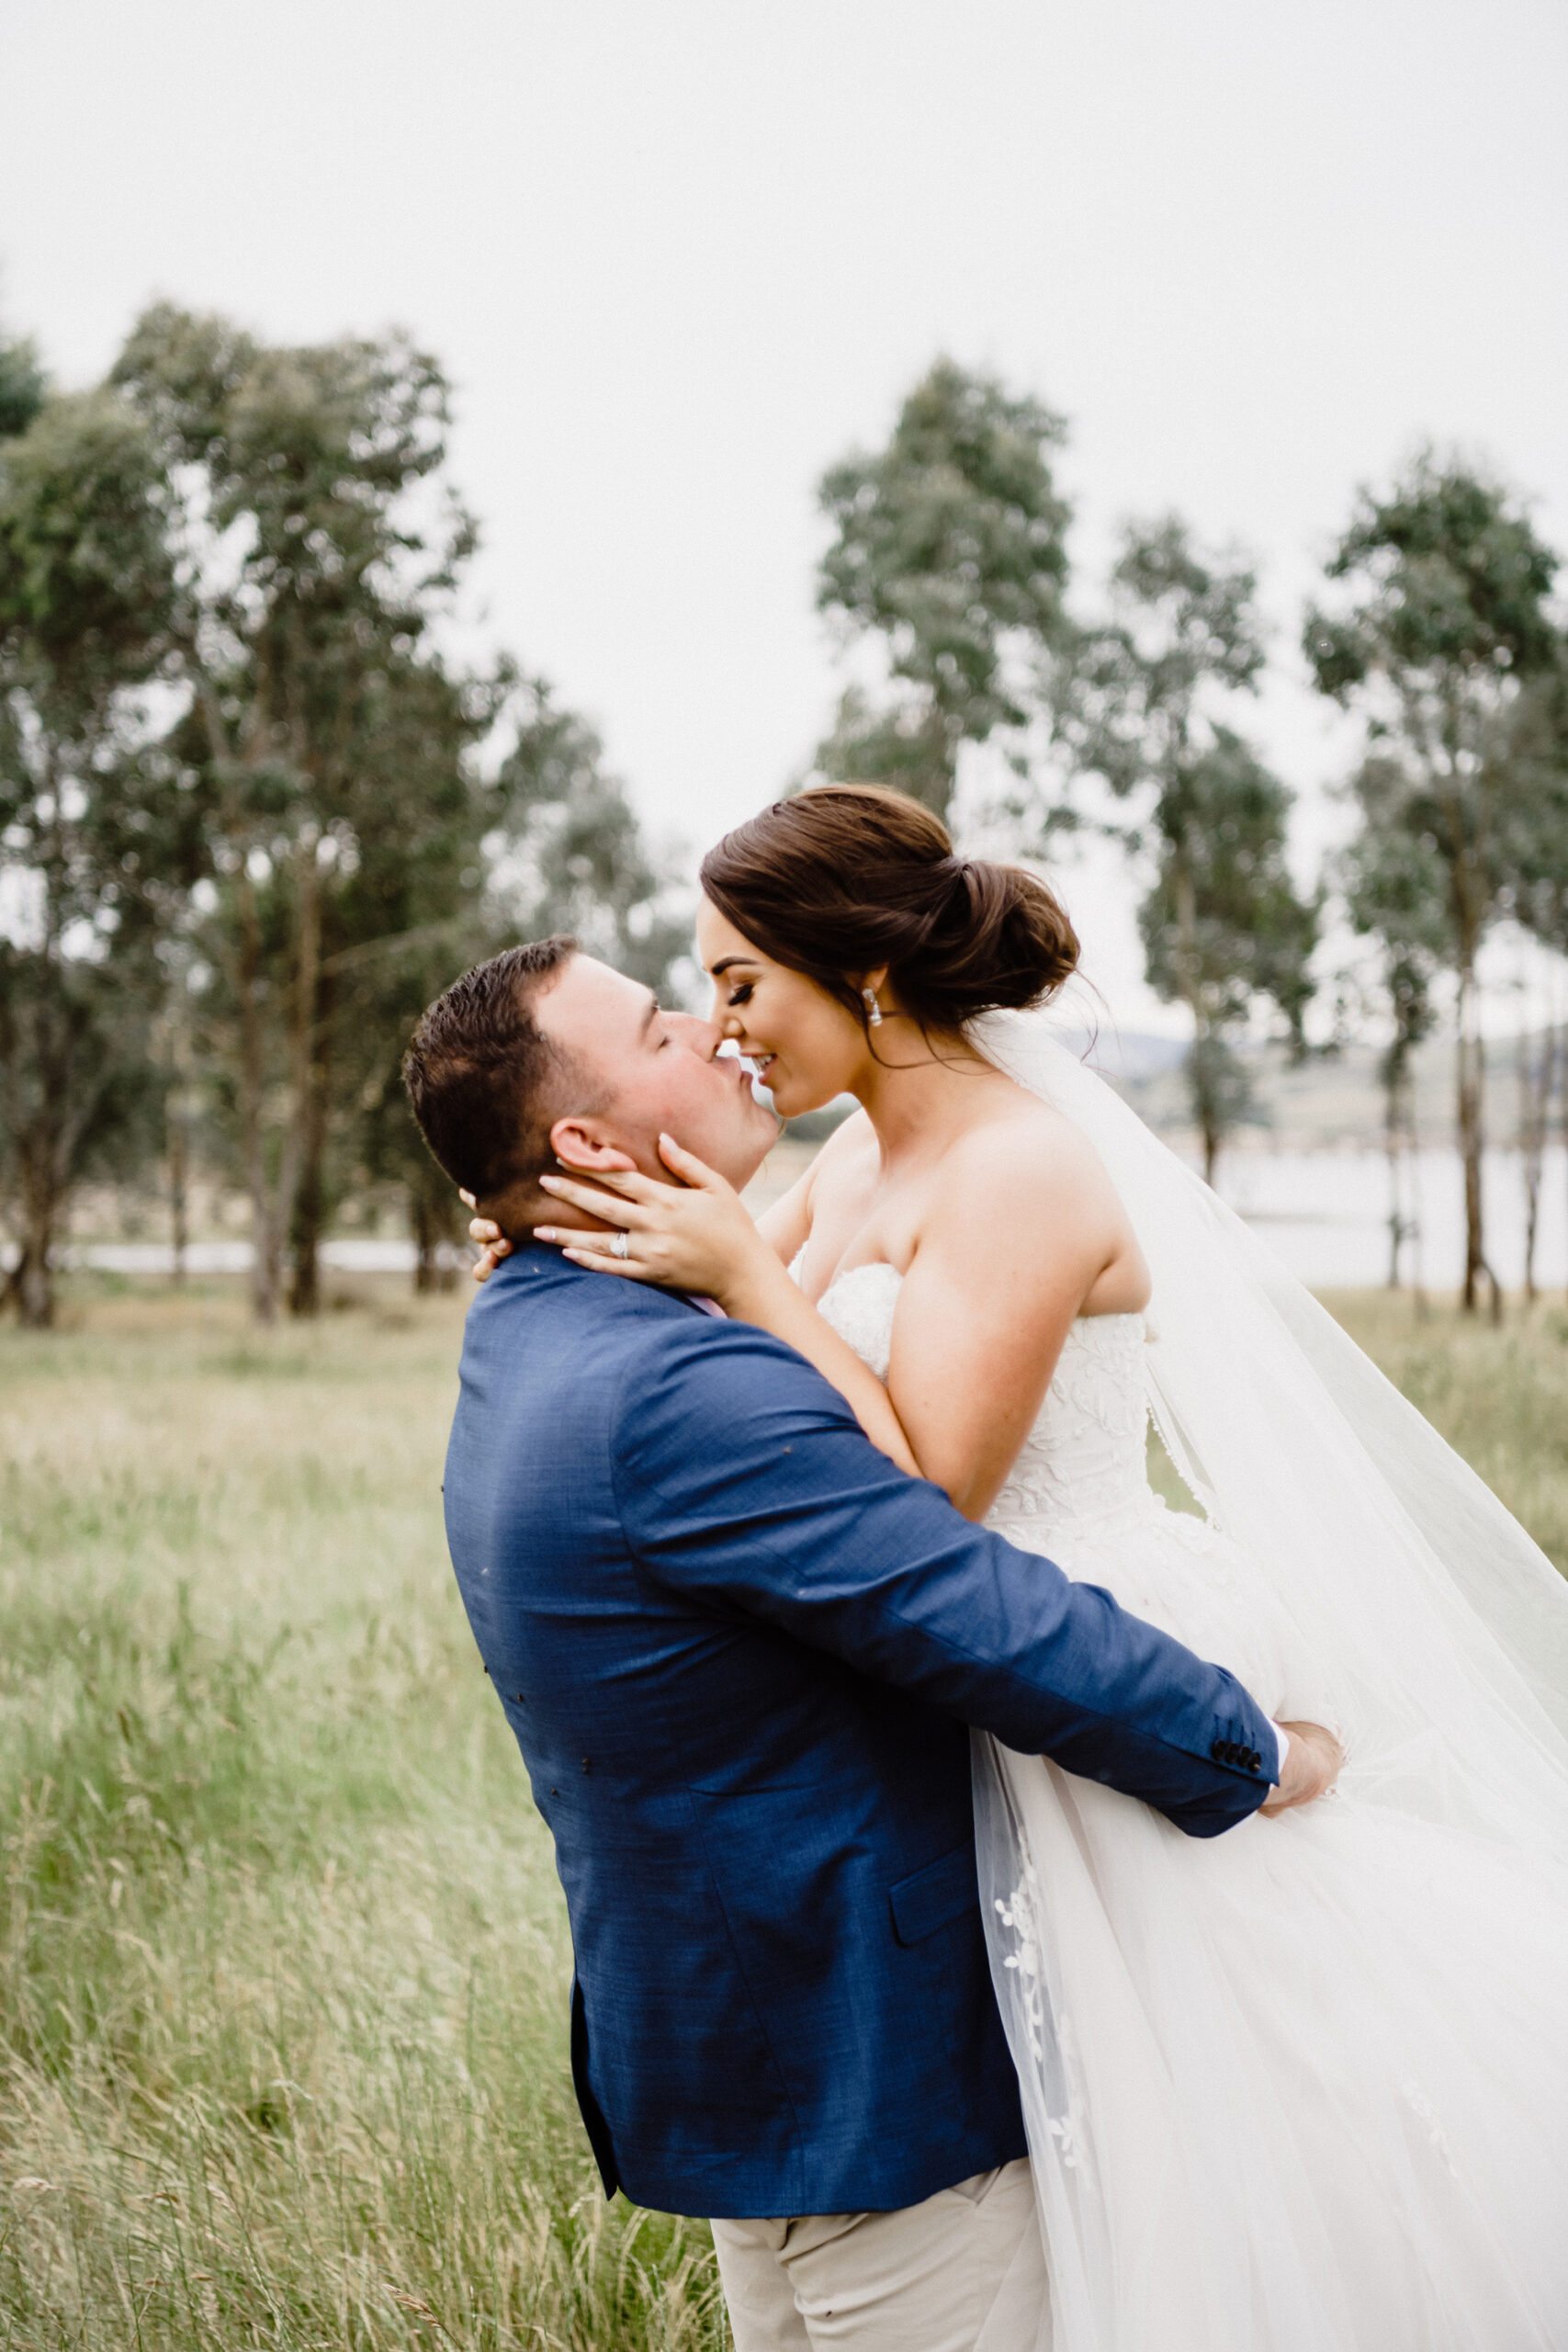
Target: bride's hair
(847,877)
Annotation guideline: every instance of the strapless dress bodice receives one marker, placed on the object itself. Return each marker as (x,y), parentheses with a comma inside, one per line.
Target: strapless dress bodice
(1083,1465)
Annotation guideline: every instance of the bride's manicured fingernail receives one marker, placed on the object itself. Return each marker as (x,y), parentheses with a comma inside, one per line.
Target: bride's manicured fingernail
(549,1183)
(546,1233)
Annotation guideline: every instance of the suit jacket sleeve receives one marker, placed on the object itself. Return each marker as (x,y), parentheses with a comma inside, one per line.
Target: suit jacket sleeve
(745,1481)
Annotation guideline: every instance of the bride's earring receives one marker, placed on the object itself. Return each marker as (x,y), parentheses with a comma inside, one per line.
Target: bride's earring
(873,1010)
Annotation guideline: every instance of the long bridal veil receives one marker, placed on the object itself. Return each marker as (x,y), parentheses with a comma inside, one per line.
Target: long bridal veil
(1423,1622)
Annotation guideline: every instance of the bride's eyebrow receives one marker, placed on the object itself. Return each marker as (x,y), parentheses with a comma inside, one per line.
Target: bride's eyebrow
(726,964)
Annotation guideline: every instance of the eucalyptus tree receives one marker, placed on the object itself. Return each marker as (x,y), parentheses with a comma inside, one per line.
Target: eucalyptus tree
(571,852)
(90,818)
(1139,703)
(1533,751)
(23,386)
(1393,884)
(408,902)
(545,840)
(950,551)
(326,739)
(1442,621)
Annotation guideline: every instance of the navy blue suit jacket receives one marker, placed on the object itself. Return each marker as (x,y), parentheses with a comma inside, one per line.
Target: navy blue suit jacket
(739,1651)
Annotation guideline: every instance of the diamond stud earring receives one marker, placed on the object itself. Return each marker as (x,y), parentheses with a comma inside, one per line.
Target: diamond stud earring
(873,1010)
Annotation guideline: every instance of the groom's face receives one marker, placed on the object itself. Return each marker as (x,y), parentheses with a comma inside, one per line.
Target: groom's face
(646,1072)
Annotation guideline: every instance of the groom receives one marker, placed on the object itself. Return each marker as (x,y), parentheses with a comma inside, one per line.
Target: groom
(741,1652)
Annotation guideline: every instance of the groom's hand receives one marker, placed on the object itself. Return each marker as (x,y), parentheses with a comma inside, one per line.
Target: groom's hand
(493,1244)
(1311,1768)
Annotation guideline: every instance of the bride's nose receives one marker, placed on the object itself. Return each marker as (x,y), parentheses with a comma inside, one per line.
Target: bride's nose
(725,1023)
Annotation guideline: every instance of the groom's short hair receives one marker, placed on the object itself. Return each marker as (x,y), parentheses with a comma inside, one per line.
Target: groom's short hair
(486,1083)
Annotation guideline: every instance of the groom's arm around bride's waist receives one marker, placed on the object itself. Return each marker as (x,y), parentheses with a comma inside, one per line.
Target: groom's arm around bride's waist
(743,1478)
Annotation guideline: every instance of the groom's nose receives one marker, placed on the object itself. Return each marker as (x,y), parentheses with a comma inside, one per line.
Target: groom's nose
(697,1035)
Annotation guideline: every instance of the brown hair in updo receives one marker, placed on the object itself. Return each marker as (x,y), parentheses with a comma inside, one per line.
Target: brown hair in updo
(848,877)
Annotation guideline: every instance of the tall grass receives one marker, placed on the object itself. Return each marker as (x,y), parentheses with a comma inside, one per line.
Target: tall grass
(283,1967)
(1500,1396)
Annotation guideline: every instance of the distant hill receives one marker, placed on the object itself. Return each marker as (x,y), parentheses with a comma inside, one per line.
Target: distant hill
(1331,1100)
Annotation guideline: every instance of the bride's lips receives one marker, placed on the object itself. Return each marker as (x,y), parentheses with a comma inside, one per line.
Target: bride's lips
(750,1071)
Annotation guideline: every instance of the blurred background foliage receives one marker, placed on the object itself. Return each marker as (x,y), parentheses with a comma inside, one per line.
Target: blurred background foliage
(254,814)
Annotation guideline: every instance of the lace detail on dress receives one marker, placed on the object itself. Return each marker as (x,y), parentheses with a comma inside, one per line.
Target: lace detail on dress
(1083,1464)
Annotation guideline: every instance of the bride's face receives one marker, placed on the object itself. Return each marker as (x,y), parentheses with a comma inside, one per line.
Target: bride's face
(809,1047)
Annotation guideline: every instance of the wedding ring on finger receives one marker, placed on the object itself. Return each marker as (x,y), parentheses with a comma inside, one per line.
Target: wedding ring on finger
(622,1246)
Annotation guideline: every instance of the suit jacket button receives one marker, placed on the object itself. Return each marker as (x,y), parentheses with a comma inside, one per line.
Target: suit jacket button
(1217,1750)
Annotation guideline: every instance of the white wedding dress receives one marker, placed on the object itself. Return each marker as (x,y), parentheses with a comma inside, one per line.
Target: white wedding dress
(1303,2087)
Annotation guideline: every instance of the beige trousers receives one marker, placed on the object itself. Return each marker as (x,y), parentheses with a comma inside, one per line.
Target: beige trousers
(963,2272)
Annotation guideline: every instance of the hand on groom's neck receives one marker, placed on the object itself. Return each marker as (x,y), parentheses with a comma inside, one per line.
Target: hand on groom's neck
(522,1206)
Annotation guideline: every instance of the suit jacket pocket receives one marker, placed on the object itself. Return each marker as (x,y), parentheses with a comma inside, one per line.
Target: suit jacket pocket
(935,1897)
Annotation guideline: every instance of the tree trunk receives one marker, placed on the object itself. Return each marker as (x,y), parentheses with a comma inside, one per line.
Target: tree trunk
(304,1246)
(424,1240)
(178,1205)
(433,1215)
(35,1274)
(1413,1224)
(310,1197)
(1395,1201)
(12,1293)
(296,1152)
(1203,1093)
(1399,1146)
(265,1237)
(252,1073)
(1471,1071)
(1537,1077)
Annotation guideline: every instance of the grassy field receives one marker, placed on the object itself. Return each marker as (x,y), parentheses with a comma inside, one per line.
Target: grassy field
(282,1959)
(283,1967)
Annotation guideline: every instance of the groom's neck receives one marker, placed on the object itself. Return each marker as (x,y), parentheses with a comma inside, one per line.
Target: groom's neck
(523,1207)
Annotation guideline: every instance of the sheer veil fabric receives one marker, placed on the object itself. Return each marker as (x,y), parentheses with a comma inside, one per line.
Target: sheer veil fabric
(1299,2088)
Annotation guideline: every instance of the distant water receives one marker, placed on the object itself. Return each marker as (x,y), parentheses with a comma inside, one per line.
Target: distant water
(355,1256)
(1324,1213)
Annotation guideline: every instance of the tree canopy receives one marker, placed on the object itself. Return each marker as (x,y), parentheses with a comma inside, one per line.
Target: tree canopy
(1443,622)
(256,815)
(949,550)
(1140,706)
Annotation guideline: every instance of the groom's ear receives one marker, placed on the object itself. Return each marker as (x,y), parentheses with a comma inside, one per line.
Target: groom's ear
(586,1146)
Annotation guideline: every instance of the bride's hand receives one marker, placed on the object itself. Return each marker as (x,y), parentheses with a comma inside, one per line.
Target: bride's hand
(694,1236)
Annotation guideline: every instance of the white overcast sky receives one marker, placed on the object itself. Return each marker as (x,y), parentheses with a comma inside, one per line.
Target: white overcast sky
(678,254)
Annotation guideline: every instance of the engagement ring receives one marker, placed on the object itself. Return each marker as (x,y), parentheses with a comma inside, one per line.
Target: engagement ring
(620,1246)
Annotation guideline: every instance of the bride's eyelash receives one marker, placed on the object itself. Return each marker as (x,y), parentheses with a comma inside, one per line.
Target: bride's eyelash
(743,994)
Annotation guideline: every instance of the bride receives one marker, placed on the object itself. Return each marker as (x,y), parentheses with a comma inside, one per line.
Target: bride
(1303,2087)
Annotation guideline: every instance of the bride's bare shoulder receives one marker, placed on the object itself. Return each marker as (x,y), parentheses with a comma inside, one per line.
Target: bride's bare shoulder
(1026,1139)
(1030,1166)
(850,1142)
